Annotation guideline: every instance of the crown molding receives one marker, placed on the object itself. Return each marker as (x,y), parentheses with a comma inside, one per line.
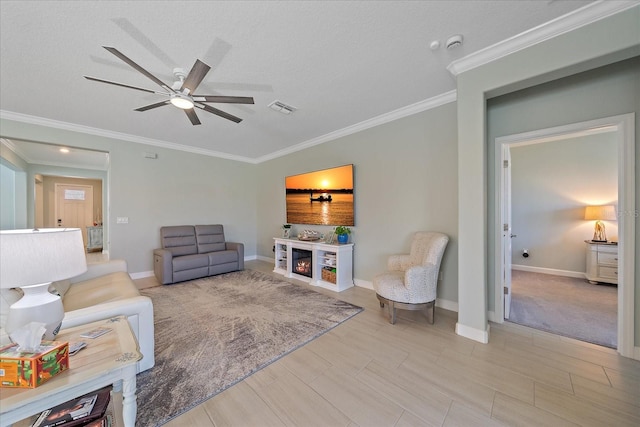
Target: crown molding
(40,121)
(580,17)
(409,110)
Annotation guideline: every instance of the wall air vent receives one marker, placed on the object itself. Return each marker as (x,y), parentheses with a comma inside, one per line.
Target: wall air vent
(282,107)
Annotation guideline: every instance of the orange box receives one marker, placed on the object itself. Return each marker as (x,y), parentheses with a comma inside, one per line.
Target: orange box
(29,370)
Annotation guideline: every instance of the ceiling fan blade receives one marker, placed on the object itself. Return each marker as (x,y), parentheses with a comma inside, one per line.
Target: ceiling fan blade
(150,76)
(95,79)
(152,106)
(217,112)
(224,99)
(195,76)
(191,113)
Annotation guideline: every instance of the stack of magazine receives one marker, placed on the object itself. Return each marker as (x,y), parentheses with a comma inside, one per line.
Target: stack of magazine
(89,410)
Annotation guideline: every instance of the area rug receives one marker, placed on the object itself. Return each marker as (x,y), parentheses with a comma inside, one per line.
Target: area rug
(565,306)
(212,333)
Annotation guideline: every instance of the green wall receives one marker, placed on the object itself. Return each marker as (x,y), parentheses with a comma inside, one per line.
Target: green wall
(405,181)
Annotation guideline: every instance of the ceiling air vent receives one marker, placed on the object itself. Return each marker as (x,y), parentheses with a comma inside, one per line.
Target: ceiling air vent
(282,107)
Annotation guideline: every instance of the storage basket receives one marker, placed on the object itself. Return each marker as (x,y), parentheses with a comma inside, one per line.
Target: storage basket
(329,275)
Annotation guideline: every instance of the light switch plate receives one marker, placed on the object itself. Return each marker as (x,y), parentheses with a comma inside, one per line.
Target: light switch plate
(122,220)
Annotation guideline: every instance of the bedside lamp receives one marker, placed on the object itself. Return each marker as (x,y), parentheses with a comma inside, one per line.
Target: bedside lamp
(599,214)
(31,260)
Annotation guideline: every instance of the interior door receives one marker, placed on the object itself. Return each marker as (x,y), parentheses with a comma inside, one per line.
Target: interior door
(506,229)
(74,207)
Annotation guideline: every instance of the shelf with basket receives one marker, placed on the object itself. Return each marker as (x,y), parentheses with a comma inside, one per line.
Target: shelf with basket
(328,261)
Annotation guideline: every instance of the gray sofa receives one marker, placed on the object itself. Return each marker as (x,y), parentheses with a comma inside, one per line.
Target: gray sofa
(190,252)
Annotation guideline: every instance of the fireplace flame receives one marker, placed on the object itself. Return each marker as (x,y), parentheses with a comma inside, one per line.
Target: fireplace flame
(303,267)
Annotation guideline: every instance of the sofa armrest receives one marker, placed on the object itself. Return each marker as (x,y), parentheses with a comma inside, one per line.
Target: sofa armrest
(238,247)
(163,266)
(100,269)
(139,313)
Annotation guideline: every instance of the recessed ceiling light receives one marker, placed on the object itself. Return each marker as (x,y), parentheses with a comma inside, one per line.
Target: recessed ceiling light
(64,150)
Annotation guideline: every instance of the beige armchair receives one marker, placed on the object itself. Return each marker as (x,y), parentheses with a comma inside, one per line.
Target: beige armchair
(412,279)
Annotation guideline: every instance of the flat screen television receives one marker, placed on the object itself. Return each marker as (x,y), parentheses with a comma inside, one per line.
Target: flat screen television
(323,197)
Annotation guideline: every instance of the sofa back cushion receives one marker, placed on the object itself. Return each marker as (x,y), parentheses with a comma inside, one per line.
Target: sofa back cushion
(179,239)
(210,238)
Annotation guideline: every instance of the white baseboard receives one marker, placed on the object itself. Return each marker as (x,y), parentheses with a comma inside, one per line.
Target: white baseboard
(447,305)
(553,271)
(473,333)
(141,275)
(363,284)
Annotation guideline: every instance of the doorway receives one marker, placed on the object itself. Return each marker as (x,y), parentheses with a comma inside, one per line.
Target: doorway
(68,202)
(622,131)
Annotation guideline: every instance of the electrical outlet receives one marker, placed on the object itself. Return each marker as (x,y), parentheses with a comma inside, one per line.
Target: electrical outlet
(122,220)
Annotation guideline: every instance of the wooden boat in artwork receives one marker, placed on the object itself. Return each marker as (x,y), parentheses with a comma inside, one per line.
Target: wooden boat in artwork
(324,197)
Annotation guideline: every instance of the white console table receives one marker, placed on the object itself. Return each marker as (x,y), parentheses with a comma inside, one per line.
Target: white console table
(336,260)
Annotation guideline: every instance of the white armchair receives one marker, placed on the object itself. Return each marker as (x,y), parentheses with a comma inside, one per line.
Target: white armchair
(412,279)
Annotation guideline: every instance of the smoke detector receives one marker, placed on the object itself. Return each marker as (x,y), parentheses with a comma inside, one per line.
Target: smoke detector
(454,41)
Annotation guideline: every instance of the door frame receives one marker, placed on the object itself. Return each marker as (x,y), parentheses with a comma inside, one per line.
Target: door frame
(507,231)
(623,127)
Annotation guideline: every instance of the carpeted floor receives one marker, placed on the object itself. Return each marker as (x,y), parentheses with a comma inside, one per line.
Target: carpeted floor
(565,306)
(211,333)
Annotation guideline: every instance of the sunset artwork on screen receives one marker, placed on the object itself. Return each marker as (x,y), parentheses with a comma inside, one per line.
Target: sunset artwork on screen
(323,197)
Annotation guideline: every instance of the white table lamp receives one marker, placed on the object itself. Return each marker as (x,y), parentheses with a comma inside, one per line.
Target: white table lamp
(31,260)
(599,214)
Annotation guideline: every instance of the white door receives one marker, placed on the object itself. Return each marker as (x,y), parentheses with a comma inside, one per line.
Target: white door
(506,229)
(74,207)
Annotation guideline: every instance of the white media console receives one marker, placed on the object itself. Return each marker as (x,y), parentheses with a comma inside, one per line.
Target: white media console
(327,265)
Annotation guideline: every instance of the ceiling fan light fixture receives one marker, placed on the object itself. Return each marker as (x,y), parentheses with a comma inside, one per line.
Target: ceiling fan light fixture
(182,102)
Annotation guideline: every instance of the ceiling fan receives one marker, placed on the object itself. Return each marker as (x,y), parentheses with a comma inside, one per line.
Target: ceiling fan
(181,92)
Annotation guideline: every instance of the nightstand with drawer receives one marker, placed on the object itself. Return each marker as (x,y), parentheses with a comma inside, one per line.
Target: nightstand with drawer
(602,262)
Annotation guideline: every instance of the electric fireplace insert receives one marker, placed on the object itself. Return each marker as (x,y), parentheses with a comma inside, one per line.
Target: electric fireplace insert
(301,262)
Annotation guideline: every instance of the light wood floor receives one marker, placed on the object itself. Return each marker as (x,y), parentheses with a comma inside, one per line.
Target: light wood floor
(367,372)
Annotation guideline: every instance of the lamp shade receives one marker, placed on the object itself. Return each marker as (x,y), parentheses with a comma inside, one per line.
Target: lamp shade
(601,213)
(31,257)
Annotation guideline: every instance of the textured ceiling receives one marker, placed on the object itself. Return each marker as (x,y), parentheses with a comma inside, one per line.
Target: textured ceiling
(340,63)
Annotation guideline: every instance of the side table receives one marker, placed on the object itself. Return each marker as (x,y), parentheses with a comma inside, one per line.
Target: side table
(108,359)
